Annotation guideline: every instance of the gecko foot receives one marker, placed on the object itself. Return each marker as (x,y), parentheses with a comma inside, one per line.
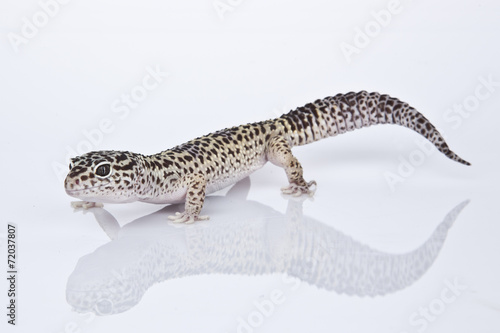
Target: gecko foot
(86,204)
(297,190)
(186,218)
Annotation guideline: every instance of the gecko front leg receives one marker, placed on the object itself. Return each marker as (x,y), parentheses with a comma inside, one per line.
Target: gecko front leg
(279,153)
(196,186)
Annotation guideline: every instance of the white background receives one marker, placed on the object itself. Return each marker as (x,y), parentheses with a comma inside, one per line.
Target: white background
(258,60)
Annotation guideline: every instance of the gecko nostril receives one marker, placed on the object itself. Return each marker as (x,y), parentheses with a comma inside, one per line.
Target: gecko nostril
(77,181)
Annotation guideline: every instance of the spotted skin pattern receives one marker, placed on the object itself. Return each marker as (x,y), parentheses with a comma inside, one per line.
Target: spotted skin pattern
(188,172)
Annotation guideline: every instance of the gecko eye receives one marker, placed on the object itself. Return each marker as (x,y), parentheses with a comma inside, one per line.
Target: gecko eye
(71,165)
(103,169)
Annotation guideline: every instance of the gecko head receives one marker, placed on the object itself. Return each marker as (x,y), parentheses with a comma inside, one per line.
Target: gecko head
(104,176)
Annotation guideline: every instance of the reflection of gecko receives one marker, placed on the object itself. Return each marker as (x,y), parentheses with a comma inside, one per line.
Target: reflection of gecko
(147,251)
(206,164)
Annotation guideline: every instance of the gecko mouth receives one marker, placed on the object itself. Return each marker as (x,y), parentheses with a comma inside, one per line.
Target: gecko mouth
(73,192)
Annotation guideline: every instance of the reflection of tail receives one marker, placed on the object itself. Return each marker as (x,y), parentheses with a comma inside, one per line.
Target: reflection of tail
(115,276)
(346,112)
(337,262)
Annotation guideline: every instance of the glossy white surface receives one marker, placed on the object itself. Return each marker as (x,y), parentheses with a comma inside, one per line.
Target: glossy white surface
(363,256)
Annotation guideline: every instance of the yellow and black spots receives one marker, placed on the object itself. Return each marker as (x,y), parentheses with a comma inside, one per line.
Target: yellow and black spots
(345,112)
(186,173)
(104,176)
(195,197)
(280,154)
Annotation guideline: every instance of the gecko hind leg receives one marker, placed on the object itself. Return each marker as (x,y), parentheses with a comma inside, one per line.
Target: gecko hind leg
(280,154)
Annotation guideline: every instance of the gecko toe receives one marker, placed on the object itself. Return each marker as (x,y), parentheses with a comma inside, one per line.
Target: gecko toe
(298,190)
(187,218)
(86,204)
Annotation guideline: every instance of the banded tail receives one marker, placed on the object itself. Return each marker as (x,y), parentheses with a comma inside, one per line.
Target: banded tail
(345,112)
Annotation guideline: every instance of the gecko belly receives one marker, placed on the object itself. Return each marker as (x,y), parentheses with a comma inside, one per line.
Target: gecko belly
(230,178)
(166,198)
(218,183)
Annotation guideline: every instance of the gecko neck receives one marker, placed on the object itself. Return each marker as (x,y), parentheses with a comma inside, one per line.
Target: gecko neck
(157,178)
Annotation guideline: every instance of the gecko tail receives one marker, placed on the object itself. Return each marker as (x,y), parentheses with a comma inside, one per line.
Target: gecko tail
(450,154)
(416,121)
(374,108)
